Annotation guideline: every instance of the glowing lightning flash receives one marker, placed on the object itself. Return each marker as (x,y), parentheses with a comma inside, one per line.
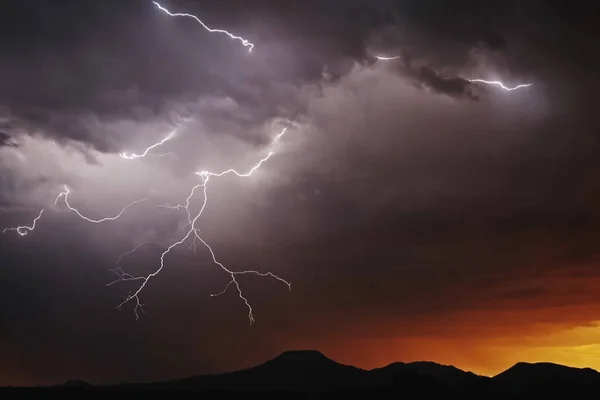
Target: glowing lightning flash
(497,83)
(133,156)
(193,232)
(245,42)
(22,230)
(387,58)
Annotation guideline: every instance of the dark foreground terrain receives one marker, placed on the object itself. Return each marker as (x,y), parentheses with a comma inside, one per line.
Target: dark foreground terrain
(310,374)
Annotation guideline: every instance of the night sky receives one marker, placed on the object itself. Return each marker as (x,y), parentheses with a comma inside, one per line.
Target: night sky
(418,216)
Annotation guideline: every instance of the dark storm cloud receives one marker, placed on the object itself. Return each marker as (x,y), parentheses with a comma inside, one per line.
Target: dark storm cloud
(428,77)
(6,140)
(450,86)
(65,83)
(421,171)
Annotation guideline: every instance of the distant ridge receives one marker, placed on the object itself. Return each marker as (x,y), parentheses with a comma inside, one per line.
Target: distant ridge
(294,370)
(447,375)
(310,371)
(535,377)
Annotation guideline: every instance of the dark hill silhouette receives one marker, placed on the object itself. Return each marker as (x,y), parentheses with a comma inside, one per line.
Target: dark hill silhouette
(448,375)
(546,378)
(293,373)
(305,370)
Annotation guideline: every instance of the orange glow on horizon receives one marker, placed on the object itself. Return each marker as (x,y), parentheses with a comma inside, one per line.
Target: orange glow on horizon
(488,355)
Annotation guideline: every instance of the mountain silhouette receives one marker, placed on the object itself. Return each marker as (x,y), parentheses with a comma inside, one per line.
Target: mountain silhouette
(447,376)
(310,373)
(304,370)
(546,378)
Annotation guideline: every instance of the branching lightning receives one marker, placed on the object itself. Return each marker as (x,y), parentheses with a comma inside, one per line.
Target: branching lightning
(23,229)
(245,42)
(194,234)
(496,83)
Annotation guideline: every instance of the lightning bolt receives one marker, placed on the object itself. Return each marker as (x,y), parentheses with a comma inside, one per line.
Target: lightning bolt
(498,83)
(245,42)
(133,156)
(387,58)
(65,195)
(23,229)
(194,233)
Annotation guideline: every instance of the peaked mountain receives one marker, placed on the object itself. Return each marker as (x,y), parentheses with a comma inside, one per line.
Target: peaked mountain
(305,370)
